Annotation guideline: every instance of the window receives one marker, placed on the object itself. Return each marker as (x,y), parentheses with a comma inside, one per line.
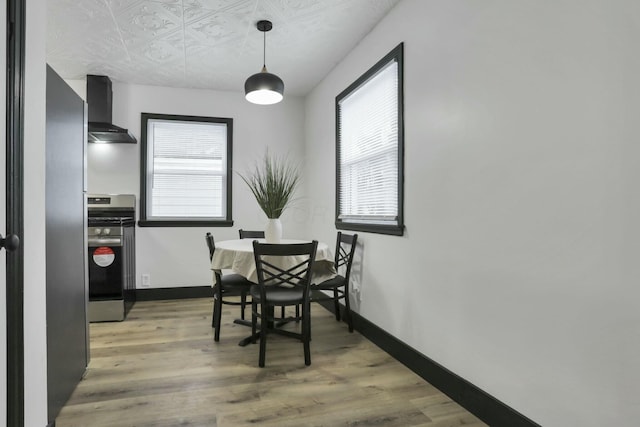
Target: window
(185,171)
(369,150)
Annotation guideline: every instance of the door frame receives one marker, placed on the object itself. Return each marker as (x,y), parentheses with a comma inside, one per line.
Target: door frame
(16,19)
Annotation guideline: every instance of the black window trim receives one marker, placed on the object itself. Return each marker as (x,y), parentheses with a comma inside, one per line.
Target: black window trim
(144,221)
(396,54)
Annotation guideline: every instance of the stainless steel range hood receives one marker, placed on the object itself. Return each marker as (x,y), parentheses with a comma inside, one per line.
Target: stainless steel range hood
(99,99)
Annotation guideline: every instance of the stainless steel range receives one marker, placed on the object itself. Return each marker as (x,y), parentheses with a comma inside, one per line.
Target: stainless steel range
(112,267)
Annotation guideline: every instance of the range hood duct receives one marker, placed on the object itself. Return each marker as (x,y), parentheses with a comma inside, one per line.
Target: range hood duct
(99,98)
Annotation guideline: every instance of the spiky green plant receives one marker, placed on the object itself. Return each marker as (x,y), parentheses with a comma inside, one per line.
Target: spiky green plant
(273,183)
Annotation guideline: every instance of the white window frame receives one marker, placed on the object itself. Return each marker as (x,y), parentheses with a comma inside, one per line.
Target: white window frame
(147,175)
(385,217)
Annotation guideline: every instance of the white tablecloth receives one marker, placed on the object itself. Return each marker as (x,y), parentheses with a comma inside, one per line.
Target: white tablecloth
(237,255)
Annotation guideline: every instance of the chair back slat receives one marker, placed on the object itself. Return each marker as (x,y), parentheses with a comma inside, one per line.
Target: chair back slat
(294,275)
(343,256)
(275,268)
(211,245)
(251,234)
(345,250)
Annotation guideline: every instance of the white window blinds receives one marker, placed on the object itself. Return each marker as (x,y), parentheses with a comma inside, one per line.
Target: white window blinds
(368,150)
(187,169)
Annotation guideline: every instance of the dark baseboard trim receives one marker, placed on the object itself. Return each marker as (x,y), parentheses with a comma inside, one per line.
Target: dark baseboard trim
(473,399)
(154,294)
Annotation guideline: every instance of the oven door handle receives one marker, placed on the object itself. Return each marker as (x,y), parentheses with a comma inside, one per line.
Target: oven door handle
(105,241)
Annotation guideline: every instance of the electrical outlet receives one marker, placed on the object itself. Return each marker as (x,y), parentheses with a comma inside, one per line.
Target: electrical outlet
(146,281)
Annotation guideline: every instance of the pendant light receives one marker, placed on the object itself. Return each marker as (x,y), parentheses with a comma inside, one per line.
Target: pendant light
(264,88)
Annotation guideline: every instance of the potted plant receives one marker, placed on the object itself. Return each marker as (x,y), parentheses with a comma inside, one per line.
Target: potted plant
(273,183)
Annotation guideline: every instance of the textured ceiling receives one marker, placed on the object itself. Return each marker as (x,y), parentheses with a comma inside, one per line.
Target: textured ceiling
(210,44)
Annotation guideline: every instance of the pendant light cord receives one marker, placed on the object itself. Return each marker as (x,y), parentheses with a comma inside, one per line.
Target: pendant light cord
(264,50)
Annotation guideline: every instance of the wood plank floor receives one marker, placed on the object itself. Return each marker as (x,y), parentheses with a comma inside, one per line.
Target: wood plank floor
(161,367)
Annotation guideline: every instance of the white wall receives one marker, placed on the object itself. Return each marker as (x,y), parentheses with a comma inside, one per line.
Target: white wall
(178,256)
(518,270)
(35,332)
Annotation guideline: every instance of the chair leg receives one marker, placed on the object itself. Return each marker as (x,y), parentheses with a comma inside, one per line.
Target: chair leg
(336,303)
(218,317)
(347,308)
(243,303)
(309,324)
(213,314)
(297,313)
(282,312)
(254,320)
(306,332)
(263,334)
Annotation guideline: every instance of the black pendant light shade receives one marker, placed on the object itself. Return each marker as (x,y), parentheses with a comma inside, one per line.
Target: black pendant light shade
(263,87)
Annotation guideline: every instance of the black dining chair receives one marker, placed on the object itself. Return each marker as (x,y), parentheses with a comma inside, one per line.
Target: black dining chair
(251,234)
(227,285)
(282,282)
(339,285)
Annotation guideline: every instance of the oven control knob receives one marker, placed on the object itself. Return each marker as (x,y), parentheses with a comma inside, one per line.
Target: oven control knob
(98,231)
(106,231)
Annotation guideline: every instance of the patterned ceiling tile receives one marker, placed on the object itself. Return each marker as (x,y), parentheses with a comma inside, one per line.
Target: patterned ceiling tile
(220,5)
(162,51)
(290,9)
(215,28)
(87,8)
(117,6)
(149,19)
(206,43)
(91,17)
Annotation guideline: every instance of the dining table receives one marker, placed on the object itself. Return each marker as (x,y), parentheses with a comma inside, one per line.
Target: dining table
(237,255)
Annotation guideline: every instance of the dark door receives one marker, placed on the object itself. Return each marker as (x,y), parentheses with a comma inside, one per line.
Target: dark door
(65,242)
(12,19)
(3,265)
